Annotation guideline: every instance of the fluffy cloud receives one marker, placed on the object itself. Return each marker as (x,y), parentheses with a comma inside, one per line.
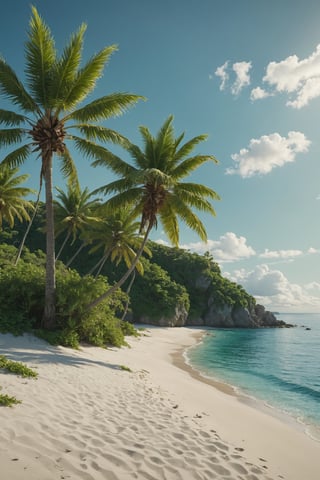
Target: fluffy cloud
(267,152)
(241,72)
(222,73)
(299,78)
(228,248)
(273,289)
(258,93)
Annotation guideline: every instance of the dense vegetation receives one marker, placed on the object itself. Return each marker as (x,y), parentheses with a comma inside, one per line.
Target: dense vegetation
(172,277)
(22,298)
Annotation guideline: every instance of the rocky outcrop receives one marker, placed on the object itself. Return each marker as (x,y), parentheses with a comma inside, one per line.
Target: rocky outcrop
(177,320)
(237,317)
(219,317)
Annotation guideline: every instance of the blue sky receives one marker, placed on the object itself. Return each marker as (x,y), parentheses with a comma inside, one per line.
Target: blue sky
(245,72)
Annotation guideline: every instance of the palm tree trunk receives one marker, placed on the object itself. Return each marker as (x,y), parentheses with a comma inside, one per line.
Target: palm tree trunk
(63,245)
(128,292)
(99,262)
(103,261)
(125,276)
(49,319)
(29,225)
(83,244)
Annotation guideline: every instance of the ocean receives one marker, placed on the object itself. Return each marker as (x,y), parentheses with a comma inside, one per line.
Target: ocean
(278,367)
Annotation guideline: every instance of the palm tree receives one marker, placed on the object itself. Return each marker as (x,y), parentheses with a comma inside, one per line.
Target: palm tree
(50,107)
(74,212)
(119,239)
(153,184)
(12,203)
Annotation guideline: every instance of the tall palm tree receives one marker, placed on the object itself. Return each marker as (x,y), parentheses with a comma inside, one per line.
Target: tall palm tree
(153,185)
(50,107)
(74,212)
(12,202)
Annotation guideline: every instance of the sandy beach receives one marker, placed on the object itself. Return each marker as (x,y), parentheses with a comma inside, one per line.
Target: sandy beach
(87,417)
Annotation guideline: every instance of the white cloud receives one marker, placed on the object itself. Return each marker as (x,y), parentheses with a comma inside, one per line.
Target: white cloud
(258,93)
(241,70)
(267,152)
(280,254)
(312,250)
(313,286)
(272,289)
(222,73)
(300,78)
(228,248)
(162,242)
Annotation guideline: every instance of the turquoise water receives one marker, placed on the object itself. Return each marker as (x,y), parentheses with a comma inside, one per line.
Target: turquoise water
(281,367)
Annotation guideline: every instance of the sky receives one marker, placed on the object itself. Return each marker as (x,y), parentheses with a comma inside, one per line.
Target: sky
(245,72)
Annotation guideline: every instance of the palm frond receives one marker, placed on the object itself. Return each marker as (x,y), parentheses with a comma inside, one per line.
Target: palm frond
(103,134)
(13,89)
(148,159)
(66,68)
(102,156)
(18,156)
(138,156)
(170,223)
(189,146)
(11,118)
(87,78)
(196,189)
(68,169)
(191,164)
(9,136)
(118,186)
(165,144)
(188,216)
(129,197)
(195,201)
(40,56)
(105,107)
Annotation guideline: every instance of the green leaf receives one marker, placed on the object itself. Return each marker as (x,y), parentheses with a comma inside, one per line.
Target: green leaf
(87,78)
(96,132)
(11,135)
(105,107)
(18,156)
(12,88)
(40,57)
(65,70)
(11,118)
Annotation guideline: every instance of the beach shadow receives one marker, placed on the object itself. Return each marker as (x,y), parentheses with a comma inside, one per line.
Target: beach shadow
(30,349)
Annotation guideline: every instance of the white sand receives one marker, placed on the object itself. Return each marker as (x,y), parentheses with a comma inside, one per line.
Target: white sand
(85,418)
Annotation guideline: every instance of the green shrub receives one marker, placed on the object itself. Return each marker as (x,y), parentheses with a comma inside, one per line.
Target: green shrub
(17,368)
(22,302)
(7,401)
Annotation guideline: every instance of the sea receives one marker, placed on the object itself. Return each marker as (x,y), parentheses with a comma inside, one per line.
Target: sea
(277,368)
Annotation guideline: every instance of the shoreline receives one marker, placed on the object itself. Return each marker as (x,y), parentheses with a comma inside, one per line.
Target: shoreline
(87,418)
(181,360)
